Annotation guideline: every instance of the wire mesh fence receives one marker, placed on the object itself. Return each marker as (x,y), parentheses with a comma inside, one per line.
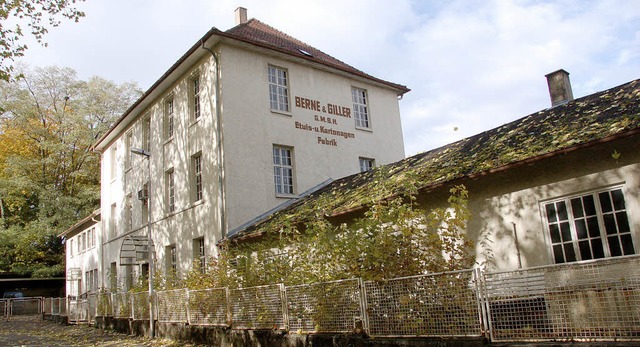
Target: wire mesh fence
(104,308)
(326,307)
(47,305)
(4,307)
(258,307)
(25,306)
(443,304)
(140,305)
(121,305)
(172,306)
(208,307)
(596,300)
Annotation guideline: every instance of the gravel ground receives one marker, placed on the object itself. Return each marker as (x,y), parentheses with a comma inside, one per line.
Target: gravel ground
(31,331)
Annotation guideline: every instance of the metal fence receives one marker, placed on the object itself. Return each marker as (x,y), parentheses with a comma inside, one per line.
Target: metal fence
(594,301)
(443,304)
(209,307)
(335,307)
(172,306)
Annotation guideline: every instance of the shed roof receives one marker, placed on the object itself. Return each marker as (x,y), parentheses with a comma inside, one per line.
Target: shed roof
(583,122)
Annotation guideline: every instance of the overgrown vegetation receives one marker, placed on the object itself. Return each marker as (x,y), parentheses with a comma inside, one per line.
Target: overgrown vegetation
(394,237)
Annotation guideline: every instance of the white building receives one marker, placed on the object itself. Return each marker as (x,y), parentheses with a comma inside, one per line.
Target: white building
(83,255)
(245,120)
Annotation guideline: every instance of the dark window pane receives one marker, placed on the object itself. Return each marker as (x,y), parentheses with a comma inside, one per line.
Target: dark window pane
(618,199)
(598,250)
(555,233)
(557,254)
(623,222)
(551,213)
(569,253)
(585,250)
(610,224)
(576,206)
(581,229)
(614,246)
(605,202)
(589,205)
(562,210)
(627,244)
(594,228)
(565,229)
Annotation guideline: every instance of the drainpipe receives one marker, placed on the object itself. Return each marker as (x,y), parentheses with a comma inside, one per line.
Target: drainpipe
(515,235)
(218,115)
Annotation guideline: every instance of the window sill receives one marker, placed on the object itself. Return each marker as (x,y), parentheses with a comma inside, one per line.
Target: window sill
(283,113)
(286,196)
(369,130)
(167,141)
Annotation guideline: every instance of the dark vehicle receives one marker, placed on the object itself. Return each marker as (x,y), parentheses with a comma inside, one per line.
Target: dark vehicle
(13,295)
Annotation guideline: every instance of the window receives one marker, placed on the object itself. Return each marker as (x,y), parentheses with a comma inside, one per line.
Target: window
(194,92)
(172,259)
(196,168)
(114,162)
(127,150)
(112,220)
(171,193)
(199,255)
(360,111)
(145,204)
(590,226)
(84,241)
(366,164)
(92,238)
(146,133)
(71,247)
(283,169)
(128,212)
(278,89)
(168,117)
(113,277)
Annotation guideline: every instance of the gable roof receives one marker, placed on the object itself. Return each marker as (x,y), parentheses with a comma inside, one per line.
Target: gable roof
(581,123)
(255,33)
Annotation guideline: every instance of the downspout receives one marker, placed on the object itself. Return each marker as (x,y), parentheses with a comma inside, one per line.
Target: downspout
(218,115)
(515,235)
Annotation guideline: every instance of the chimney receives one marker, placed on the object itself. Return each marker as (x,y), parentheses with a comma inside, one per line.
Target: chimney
(559,87)
(241,15)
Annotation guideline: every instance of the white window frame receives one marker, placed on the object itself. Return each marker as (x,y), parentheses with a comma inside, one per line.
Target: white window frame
(361,113)
(196,172)
(199,253)
(366,164)
(577,228)
(169,117)
(283,170)
(278,79)
(172,259)
(195,96)
(128,138)
(146,133)
(170,185)
(114,161)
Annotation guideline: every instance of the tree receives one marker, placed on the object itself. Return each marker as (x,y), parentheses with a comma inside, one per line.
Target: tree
(38,16)
(49,177)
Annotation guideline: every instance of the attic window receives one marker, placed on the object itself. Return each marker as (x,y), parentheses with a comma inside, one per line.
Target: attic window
(305,52)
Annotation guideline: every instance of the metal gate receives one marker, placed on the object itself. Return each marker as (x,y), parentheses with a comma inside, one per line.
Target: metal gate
(22,306)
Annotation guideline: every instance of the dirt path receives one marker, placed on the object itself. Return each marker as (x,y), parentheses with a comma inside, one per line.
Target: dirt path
(33,331)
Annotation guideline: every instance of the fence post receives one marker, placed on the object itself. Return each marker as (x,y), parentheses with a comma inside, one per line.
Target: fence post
(363,306)
(285,306)
(229,314)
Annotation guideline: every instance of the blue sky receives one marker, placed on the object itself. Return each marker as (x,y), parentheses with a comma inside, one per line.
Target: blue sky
(471,65)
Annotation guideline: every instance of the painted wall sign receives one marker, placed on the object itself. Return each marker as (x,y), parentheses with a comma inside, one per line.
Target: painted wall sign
(324,125)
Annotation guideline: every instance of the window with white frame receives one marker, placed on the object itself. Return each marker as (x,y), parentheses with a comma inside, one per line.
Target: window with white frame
(170,189)
(71,247)
(589,226)
(172,259)
(84,242)
(194,94)
(112,220)
(199,254)
(366,164)
(127,150)
(278,89)
(283,169)
(168,117)
(146,133)
(196,170)
(360,109)
(128,212)
(114,161)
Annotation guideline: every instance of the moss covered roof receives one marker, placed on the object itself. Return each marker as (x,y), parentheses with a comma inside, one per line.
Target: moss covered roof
(582,122)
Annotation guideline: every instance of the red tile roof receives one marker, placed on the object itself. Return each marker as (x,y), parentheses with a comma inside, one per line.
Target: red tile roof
(260,34)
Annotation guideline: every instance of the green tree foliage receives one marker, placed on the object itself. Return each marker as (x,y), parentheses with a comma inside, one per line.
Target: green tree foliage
(49,177)
(394,237)
(36,16)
